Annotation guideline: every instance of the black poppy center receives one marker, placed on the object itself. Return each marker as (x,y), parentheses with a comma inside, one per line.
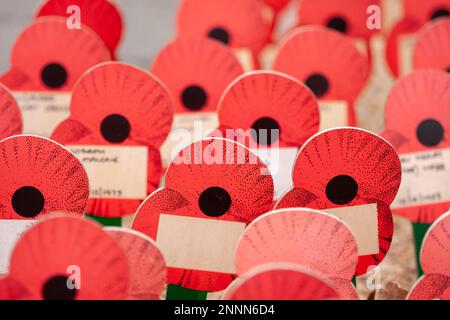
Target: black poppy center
(214,202)
(194,97)
(54,75)
(430,132)
(265,131)
(57,288)
(338,23)
(28,202)
(115,128)
(220,34)
(448,69)
(318,84)
(439,13)
(341,189)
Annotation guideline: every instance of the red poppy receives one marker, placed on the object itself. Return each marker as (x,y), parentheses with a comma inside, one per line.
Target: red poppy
(266,100)
(49,56)
(148,273)
(240,24)
(347,167)
(431,287)
(40,177)
(417,120)
(348,17)
(214,182)
(327,62)
(424,11)
(102,16)
(433,46)
(310,238)
(70,258)
(115,104)
(196,71)
(11,118)
(281,282)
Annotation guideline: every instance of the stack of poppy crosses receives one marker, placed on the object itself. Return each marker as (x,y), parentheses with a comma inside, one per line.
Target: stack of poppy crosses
(205,176)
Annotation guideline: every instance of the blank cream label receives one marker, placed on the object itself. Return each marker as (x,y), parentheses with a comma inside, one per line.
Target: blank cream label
(199,244)
(333,114)
(425,178)
(280,162)
(10,232)
(114,172)
(43,112)
(186,129)
(363,221)
(406,53)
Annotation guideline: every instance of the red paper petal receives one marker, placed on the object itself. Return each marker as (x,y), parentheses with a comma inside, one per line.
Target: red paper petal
(316,51)
(277,5)
(101,16)
(10,289)
(270,95)
(281,282)
(190,64)
(10,116)
(42,259)
(46,43)
(433,46)
(370,162)
(148,271)
(349,16)
(40,177)
(311,238)
(435,251)
(431,287)
(241,22)
(424,11)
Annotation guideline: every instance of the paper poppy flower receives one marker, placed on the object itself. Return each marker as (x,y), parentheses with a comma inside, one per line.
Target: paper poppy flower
(213,189)
(196,71)
(424,11)
(358,174)
(239,24)
(327,62)
(433,46)
(417,121)
(11,118)
(348,17)
(281,282)
(49,56)
(431,287)
(39,177)
(148,273)
(68,258)
(310,238)
(102,16)
(122,107)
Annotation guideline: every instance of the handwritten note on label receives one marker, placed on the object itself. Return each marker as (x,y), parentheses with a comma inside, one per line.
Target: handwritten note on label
(199,244)
(114,172)
(406,53)
(186,129)
(10,232)
(333,114)
(363,221)
(42,112)
(280,162)
(425,178)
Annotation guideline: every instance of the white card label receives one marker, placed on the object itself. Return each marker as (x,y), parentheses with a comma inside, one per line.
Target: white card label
(10,232)
(280,162)
(425,178)
(186,129)
(333,114)
(199,244)
(363,221)
(114,172)
(406,47)
(42,112)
